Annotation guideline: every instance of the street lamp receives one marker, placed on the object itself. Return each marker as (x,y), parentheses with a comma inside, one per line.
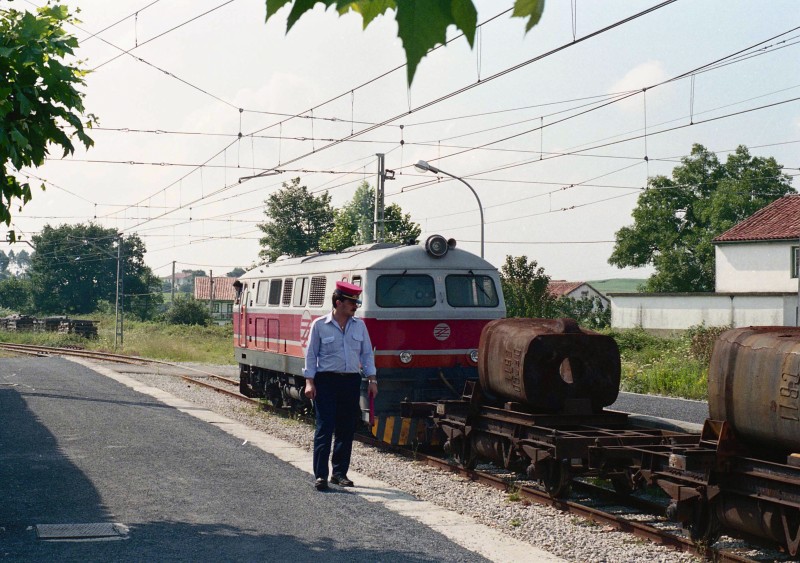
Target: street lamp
(425,167)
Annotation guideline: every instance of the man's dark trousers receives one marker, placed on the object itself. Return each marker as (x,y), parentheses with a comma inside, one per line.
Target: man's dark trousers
(337,412)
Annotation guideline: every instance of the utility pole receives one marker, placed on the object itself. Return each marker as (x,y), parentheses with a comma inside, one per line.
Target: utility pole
(211,293)
(120,306)
(172,292)
(378,223)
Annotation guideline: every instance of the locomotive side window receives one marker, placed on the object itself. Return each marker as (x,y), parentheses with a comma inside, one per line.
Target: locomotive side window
(317,295)
(300,292)
(275,292)
(263,290)
(404,290)
(471,291)
(288,284)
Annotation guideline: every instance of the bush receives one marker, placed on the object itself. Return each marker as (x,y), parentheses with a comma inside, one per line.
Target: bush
(186,311)
(701,340)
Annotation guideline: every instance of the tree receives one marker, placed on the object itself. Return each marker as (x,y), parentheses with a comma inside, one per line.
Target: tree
(587,311)
(525,289)
(676,218)
(236,272)
(421,24)
(39,96)
(297,221)
(187,286)
(15,294)
(185,310)
(75,266)
(353,223)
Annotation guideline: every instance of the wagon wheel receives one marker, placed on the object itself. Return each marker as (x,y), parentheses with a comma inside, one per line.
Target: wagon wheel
(557,480)
(704,527)
(622,482)
(466,456)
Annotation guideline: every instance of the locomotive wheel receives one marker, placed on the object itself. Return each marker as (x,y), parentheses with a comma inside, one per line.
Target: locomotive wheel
(704,526)
(244,389)
(557,481)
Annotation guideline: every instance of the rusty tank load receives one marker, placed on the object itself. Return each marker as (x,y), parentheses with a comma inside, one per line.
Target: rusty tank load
(549,365)
(754,382)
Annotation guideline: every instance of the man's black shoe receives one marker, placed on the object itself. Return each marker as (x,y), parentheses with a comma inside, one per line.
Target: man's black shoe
(341,480)
(321,484)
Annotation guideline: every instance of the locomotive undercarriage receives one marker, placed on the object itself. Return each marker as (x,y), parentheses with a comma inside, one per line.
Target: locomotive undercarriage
(714,485)
(282,390)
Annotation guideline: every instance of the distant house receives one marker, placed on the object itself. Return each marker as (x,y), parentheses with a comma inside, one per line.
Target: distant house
(183,281)
(761,253)
(756,265)
(575,290)
(218,292)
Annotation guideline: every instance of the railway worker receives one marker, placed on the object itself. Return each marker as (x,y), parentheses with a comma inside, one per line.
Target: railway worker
(338,347)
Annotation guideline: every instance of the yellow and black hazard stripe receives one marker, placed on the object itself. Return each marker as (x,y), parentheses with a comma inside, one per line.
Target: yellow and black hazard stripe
(404,431)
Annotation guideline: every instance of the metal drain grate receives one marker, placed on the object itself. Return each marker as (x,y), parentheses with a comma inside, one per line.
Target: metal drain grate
(96,530)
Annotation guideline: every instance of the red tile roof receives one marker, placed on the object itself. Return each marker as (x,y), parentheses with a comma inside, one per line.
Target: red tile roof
(223,288)
(780,220)
(559,288)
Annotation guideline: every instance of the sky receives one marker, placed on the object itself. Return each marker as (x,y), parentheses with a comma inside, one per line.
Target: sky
(556,130)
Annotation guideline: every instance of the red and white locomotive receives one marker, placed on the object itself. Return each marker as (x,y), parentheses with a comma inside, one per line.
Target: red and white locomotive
(424,307)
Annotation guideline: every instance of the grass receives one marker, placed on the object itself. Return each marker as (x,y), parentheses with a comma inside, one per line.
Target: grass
(161,341)
(675,366)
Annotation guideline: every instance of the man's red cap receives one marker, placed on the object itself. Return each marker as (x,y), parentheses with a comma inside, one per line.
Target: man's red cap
(348,291)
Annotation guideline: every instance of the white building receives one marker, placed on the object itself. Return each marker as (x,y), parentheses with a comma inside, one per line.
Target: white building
(756,279)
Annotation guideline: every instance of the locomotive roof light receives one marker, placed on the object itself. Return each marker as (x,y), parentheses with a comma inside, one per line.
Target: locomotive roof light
(406,357)
(436,246)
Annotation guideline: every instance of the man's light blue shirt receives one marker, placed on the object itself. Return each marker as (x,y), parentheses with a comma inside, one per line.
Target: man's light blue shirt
(332,349)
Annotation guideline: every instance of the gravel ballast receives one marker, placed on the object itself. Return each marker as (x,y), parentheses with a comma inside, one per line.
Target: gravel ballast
(561,534)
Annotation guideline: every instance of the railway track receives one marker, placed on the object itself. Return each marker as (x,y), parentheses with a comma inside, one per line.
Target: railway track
(626,513)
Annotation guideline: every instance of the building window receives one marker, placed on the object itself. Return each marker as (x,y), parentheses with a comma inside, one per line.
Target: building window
(795,260)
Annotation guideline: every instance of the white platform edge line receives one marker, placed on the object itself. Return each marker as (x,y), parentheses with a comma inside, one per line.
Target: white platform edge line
(461,529)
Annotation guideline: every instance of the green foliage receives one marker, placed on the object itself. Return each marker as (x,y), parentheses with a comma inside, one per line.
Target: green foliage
(297,221)
(525,289)
(236,272)
(588,312)
(38,96)
(660,365)
(185,310)
(15,294)
(702,339)
(353,223)
(421,24)
(676,218)
(74,267)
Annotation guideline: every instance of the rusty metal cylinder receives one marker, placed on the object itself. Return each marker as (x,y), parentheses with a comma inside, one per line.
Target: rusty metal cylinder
(754,382)
(548,364)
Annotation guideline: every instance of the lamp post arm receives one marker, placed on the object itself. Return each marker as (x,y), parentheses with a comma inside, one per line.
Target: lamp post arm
(480,207)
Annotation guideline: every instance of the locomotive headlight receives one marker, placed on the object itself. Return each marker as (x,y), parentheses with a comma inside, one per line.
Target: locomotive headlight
(473,355)
(406,357)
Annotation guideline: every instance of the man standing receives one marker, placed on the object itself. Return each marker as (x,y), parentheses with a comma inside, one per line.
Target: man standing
(338,347)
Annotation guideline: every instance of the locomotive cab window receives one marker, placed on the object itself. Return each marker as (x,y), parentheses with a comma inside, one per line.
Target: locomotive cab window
(405,290)
(471,291)
(275,292)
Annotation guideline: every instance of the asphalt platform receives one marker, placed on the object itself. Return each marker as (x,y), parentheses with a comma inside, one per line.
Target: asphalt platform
(94,467)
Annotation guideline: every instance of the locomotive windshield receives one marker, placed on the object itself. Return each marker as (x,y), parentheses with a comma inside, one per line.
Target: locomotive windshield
(405,290)
(471,291)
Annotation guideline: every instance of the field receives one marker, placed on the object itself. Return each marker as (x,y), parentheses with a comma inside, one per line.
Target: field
(676,366)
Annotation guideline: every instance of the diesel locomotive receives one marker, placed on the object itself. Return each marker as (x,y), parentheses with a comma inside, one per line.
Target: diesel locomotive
(424,306)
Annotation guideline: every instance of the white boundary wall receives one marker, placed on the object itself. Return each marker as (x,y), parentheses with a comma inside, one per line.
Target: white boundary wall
(678,311)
